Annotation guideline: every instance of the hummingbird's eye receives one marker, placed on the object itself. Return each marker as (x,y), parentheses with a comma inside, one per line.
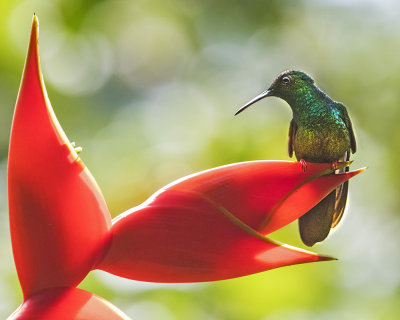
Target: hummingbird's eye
(286,80)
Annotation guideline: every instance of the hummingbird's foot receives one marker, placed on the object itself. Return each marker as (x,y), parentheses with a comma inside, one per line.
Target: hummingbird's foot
(334,165)
(303,165)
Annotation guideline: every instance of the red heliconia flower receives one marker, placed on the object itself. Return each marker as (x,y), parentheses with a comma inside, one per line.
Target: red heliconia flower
(204,227)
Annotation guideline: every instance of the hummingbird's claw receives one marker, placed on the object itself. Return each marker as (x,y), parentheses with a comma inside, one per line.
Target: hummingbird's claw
(303,165)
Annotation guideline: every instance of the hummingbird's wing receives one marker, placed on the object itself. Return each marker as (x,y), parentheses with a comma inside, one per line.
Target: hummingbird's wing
(342,190)
(292,133)
(345,116)
(341,195)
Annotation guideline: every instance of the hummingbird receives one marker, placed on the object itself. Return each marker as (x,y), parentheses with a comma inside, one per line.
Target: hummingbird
(320,131)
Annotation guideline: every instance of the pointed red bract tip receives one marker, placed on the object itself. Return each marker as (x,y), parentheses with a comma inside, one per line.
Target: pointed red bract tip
(67,303)
(302,198)
(58,216)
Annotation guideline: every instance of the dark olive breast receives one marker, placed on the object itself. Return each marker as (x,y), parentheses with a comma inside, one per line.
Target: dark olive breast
(321,142)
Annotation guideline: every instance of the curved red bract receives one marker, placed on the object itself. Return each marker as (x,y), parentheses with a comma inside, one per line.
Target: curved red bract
(197,229)
(204,227)
(58,217)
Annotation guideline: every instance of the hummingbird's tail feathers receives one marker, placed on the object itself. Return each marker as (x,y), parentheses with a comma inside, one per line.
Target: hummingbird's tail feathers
(314,225)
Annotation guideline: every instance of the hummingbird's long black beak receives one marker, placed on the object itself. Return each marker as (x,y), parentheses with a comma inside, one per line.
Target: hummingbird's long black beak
(261,96)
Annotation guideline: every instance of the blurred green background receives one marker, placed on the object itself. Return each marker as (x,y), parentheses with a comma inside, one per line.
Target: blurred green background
(149,89)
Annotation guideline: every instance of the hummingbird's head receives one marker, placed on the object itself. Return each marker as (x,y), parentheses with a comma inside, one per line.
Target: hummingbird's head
(286,86)
(290,83)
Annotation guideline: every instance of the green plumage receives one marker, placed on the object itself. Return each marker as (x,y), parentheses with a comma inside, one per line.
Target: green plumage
(320,131)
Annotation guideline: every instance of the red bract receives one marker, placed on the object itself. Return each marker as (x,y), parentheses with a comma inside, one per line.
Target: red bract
(67,303)
(58,216)
(204,227)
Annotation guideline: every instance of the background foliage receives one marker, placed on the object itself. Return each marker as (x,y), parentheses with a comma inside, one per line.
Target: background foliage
(149,88)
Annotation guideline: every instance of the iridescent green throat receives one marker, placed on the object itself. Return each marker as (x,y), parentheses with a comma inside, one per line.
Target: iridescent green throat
(306,101)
